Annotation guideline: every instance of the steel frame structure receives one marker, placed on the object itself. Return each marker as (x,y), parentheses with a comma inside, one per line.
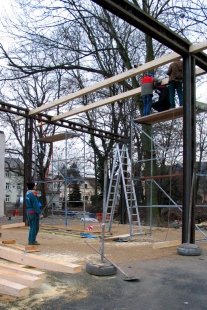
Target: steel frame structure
(152,27)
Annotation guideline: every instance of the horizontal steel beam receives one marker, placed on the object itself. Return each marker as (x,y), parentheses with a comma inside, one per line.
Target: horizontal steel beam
(12,109)
(152,27)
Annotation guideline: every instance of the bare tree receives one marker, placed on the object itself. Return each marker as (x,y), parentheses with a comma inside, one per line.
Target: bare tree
(84,44)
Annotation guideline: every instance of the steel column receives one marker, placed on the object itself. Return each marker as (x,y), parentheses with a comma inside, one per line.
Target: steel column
(189,144)
(27,159)
(193,147)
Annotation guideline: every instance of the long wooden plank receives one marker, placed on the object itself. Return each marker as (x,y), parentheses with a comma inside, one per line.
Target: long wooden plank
(165,116)
(115,79)
(98,104)
(14,225)
(13,289)
(110,100)
(195,48)
(8,241)
(25,271)
(27,248)
(116,237)
(120,77)
(107,82)
(166,244)
(38,261)
(28,280)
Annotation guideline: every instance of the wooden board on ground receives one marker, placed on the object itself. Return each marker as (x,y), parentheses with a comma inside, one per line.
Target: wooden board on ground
(37,261)
(13,289)
(166,244)
(117,237)
(22,270)
(71,230)
(8,241)
(31,248)
(24,279)
(204,224)
(27,248)
(48,228)
(14,225)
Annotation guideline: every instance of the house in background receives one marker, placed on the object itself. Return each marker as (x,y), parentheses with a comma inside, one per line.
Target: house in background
(56,190)
(13,181)
(88,189)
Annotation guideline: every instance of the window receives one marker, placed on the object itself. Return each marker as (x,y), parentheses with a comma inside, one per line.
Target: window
(85,197)
(19,186)
(7,185)
(7,174)
(7,198)
(86,185)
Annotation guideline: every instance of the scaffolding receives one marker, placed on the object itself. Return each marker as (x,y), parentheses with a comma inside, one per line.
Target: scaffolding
(150,180)
(58,177)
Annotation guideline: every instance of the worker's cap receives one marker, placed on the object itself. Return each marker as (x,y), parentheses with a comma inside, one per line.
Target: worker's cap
(150,74)
(30,185)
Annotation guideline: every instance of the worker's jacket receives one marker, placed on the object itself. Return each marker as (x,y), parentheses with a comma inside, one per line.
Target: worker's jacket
(147,85)
(175,71)
(32,202)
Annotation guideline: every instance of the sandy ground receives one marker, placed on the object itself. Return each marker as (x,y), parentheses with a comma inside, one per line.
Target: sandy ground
(62,243)
(65,242)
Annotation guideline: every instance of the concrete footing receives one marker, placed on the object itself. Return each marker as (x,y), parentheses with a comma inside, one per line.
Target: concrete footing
(189,249)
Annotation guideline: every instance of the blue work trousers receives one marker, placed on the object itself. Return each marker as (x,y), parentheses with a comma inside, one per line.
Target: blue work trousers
(147,101)
(175,85)
(33,220)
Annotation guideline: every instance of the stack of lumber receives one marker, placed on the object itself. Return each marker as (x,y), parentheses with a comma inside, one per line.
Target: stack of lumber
(17,281)
(37,261)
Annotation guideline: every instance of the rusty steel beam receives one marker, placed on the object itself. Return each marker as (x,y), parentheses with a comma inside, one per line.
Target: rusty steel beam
(152,27)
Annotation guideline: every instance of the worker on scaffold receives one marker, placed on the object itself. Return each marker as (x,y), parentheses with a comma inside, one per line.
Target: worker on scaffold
(175,73)
(147,86)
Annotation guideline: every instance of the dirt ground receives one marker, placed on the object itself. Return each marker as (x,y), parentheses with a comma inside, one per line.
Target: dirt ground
(62,242)
(70,246)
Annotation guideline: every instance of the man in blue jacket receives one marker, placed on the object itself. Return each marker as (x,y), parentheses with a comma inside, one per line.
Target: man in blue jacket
(33,212)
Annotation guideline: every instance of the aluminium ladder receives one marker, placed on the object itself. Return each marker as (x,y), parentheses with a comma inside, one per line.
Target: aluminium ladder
(123,174)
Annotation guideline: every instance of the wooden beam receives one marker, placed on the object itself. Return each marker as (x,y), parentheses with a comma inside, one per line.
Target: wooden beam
(166,244)
(27,248)
(13,289)
(14,225)
(24,271)
(59,137)
(116,237)
(115,79)
(28,280)
(198,72)
(98,104)
(195,48)
(118,78)
(38,261)
(31,248)
(8,241)
(164,116)
(109,100)
(107,82)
